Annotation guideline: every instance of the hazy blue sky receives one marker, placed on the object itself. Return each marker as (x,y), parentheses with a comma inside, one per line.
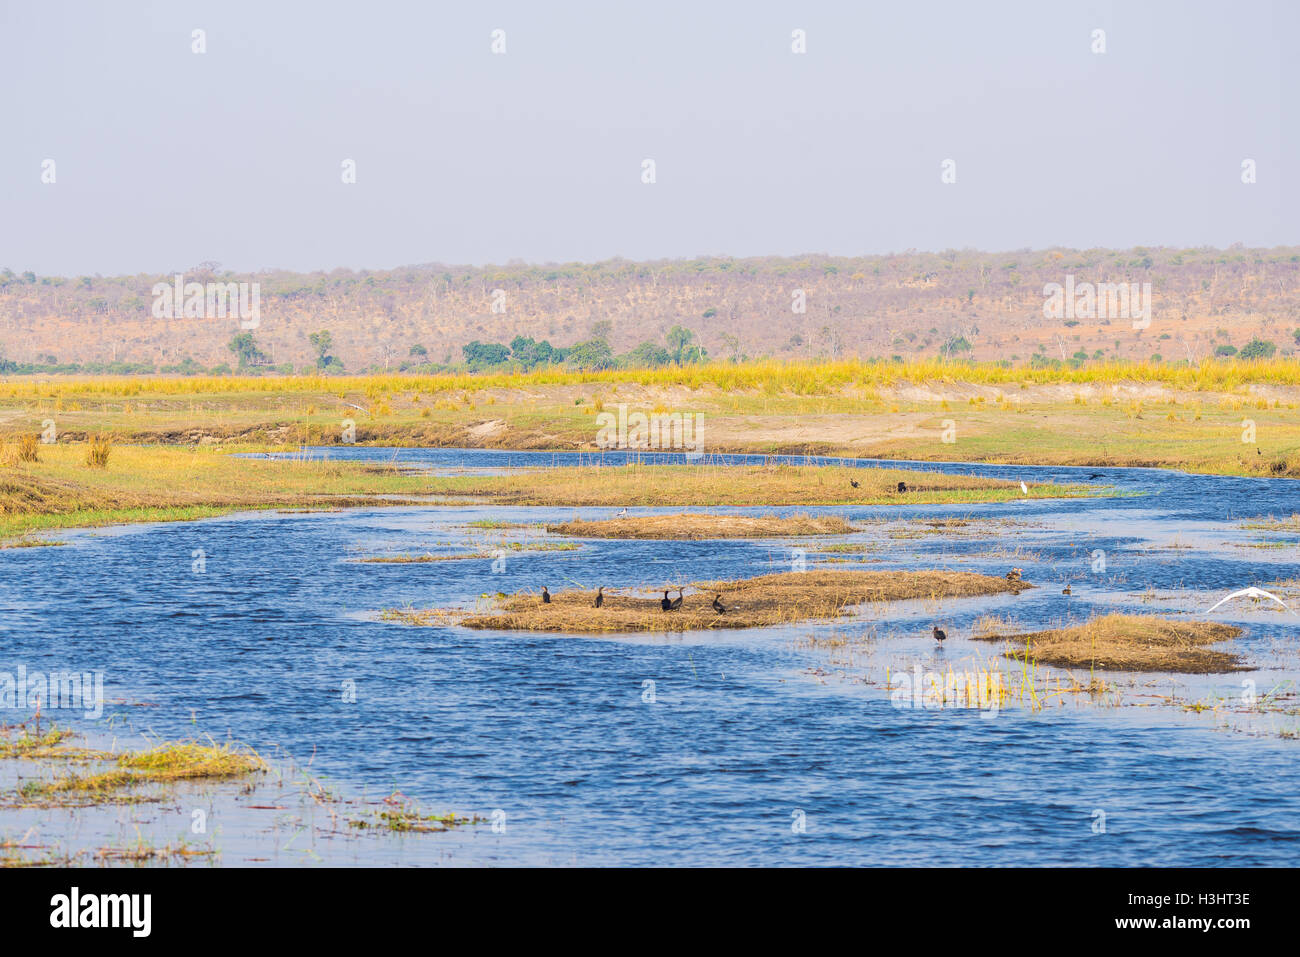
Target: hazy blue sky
(165,158)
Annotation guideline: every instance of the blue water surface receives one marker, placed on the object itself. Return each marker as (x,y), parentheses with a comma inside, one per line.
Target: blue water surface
(740,758)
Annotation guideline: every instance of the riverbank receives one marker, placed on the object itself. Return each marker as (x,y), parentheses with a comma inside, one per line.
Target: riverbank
(1220,417)
(162,484)
(59,489)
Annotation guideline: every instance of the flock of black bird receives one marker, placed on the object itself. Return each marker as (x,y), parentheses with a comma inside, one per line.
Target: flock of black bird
(673,605)
(902,486)
(667,604)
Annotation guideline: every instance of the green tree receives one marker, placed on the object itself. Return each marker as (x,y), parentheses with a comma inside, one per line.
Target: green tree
(530,354)
(1257,349)
(678,339)
(647,355)
(480,355)
(322,342)
(594,354)
(954,344)
(682,346)
(245,347)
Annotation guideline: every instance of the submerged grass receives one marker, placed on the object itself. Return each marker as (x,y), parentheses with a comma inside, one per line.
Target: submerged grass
(751,603)
(23,741)
(495,551)
(167,763)
(1120,642)
(400,814)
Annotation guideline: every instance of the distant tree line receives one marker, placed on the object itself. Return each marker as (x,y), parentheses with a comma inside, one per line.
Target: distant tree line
(524,354)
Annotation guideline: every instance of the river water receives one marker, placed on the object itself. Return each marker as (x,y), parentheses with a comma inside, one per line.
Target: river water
(749,747)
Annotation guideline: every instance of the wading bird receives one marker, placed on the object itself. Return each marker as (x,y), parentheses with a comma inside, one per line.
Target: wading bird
(546,596)
(600,596)
(718,606)
(1251,592)
(622,514)
(1024,488)
(939,634)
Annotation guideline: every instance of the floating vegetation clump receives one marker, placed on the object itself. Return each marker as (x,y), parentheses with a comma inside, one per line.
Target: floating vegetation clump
(1287,523)
(142,852)
(403,815)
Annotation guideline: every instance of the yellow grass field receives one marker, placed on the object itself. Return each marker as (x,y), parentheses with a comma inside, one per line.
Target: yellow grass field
(1231,417)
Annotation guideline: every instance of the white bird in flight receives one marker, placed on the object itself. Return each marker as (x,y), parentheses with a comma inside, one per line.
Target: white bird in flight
(1251,592)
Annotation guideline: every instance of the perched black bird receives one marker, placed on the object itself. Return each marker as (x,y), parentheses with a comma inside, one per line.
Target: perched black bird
(676,602)
(939,634)
(666,605)
(902,486)
(600,596)
(546,596)
(854,483)
(718,606)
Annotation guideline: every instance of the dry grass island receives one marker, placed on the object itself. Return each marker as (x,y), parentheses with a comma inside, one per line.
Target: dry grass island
(699,526)
(786,598)
(1122,643)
